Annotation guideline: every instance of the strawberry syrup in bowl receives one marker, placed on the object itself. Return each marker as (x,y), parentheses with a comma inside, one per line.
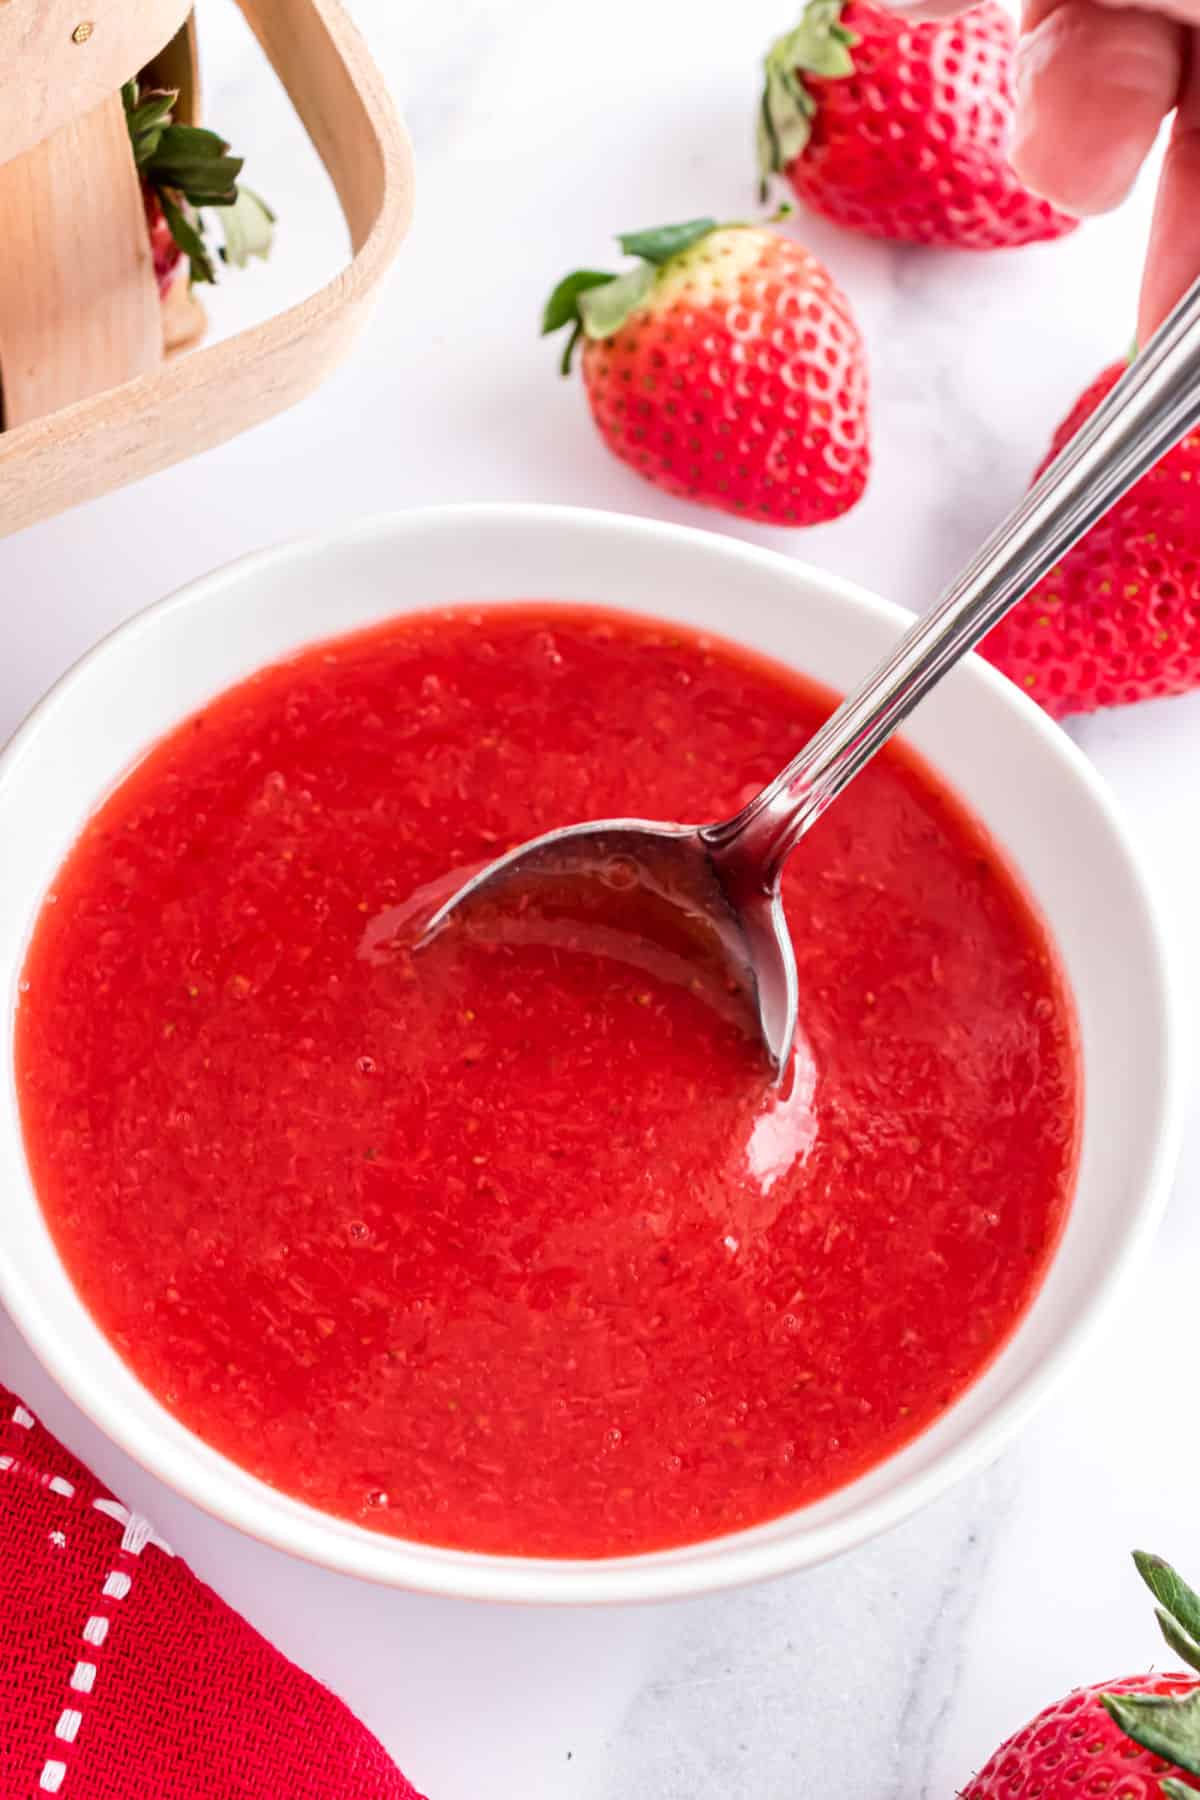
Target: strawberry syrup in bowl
(487,1269)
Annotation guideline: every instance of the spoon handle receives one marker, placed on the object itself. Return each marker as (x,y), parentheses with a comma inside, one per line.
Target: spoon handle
(1154,405)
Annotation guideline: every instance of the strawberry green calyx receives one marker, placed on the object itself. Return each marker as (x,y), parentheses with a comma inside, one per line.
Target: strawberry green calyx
(190,170)
(1167,1726)
(819,45)
(595,303)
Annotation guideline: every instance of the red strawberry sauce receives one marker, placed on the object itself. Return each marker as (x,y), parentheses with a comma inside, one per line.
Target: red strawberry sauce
(505,1244)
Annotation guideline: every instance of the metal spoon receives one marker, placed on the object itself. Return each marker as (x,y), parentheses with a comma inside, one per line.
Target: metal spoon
(720,884)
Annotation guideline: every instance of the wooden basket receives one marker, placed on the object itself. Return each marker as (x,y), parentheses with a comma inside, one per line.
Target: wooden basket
(91,399)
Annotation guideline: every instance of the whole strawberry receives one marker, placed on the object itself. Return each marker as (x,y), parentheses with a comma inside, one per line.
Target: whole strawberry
(185,170)
(725,366)
(899,128)
(1134,1739)
(1118,619)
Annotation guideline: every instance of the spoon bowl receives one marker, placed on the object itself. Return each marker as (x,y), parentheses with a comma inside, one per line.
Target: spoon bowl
(646,892)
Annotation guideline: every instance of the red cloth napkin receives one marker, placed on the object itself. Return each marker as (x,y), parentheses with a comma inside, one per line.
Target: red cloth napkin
(122,1677)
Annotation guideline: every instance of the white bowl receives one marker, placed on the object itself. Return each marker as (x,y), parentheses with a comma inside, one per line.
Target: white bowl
(1018,773)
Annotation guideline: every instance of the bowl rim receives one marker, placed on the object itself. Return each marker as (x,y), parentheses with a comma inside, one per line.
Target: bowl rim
(716,1563)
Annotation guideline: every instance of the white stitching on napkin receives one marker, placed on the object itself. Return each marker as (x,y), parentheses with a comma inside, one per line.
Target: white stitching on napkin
(138,1531)
(54,1484)
(136,1534)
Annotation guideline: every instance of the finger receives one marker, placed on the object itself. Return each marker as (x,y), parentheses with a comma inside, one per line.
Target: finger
(1093,86)
(1185,12)
(1173,261)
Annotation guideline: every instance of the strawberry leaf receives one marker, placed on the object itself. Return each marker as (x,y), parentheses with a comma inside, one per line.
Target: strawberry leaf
(819,45)
(248,227)
(188,236)
(146,116)
(562,308)
(664,241)
(1175,1598)
(1166,1725)
(1177,1790)
(195,162)
(785,122)
(1180,1641)
(595,303)
(193,143)
(604,310)
(564,367)
(146,126)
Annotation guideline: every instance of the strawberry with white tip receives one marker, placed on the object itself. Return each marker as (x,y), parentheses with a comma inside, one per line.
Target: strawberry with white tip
(726,366)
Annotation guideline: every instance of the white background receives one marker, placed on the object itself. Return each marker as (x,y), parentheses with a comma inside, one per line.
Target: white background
(541,131)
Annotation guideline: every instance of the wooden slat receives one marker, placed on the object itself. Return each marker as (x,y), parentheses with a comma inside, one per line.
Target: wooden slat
(79,311)
(177,65)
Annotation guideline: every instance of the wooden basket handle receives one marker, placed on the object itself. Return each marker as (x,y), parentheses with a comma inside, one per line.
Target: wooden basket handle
(202,399)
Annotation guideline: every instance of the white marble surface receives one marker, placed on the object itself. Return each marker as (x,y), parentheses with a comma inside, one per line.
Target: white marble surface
(891,1674)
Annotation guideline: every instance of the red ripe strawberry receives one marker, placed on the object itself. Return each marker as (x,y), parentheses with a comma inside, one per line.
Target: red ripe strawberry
(184,171)
(1119,618)
(899,128)
(725,366)
(1075,1748)
(1135,1739)
(163,248)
